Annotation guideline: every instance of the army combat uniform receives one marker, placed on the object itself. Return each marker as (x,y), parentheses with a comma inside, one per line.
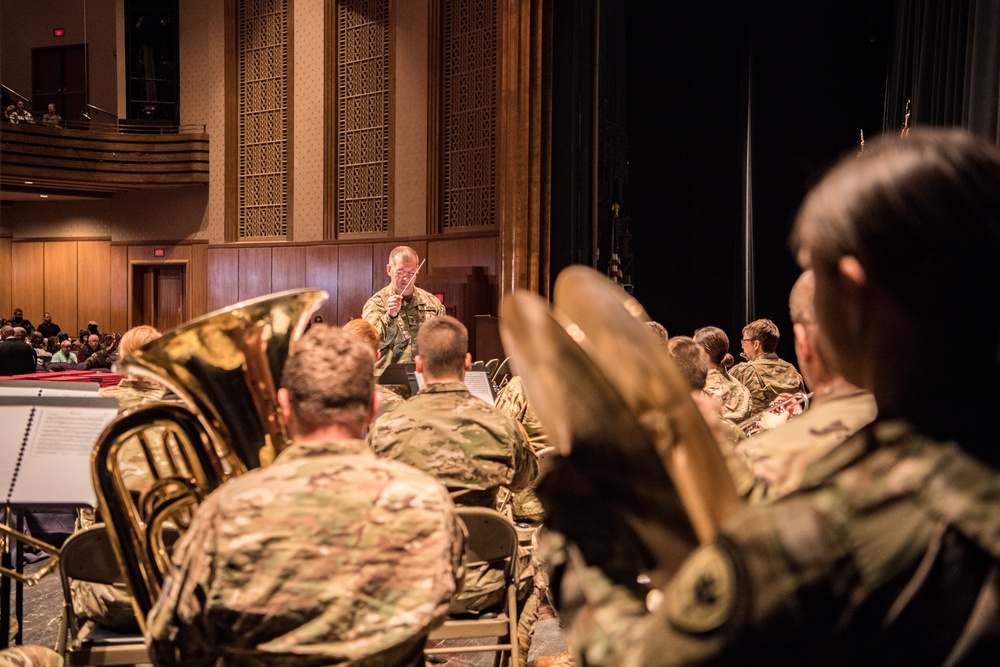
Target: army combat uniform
(30,656)
(766,377)
(398,335)
(779,457)
(514,402)
(888,554)
(328,556)
(729,393)
(478,452)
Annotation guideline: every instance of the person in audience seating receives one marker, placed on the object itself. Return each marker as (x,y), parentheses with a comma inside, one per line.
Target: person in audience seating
(65,355)
(17,320)
(329,555)
(48,328)
(17,357)
(51,118)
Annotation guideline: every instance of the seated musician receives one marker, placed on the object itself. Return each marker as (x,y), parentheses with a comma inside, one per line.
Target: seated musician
(328,556)
(480,453)
(763,373)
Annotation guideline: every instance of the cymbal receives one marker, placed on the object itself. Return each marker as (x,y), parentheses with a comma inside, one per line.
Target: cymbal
(640,369)
(588,420)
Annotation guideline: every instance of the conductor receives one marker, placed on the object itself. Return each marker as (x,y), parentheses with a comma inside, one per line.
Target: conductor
(398,309)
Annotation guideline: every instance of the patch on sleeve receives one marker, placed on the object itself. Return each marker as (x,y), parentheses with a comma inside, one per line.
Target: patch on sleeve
(702,596)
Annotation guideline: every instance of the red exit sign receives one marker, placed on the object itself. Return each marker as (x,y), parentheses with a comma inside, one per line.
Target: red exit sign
(158,252)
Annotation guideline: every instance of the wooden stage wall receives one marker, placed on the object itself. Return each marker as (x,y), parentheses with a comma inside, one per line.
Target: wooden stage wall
(78,280)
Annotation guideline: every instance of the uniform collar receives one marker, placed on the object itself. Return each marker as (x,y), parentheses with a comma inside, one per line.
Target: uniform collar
(303,450)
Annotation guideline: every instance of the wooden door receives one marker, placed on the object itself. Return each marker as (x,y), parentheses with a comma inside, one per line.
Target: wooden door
(158,295)
(59,76)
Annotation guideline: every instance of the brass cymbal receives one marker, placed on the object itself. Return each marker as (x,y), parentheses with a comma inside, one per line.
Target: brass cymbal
(588,420)
(641,370)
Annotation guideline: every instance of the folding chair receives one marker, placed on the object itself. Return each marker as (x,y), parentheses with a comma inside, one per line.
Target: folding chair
(87,555)
(491,538)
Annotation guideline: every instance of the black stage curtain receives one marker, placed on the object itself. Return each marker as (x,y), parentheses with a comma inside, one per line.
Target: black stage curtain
(946,60)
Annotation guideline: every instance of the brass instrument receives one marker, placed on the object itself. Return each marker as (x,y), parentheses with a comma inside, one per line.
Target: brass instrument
(6,532)
(905,132)
(612,400)
(752,425)
(225,367)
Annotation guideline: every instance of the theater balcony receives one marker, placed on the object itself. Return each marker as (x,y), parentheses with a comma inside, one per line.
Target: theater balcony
(36,160)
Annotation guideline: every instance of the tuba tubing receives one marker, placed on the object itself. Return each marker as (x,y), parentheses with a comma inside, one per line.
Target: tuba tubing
(225,367)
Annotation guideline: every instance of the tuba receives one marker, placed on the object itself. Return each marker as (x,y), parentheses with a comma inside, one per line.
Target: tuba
(225,367)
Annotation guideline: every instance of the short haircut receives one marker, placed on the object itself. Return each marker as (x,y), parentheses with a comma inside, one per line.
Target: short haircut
(20,333)
(922,217)
(6,331)
(716,345)
(442,343)
(659,331)
(403,252)
(765,331)
(691,359)
(801,306)
(365,330)
(136,337)
(330,378)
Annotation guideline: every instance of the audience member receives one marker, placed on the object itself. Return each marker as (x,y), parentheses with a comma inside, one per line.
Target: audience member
(398,310)
(329,555)
(719,384)
(479,452)
(16,356)
(95,356)
(48,328)
(779,457)
(10,114)
(92,329)
(22,113)
(17,320)
(42,355)
(65,355)
(51,118)
(763,373)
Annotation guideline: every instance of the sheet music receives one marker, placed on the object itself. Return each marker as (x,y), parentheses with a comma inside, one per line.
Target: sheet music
(478,383)
(43,388)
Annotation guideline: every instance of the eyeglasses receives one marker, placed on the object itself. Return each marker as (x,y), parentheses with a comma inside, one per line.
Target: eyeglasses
(746,340)
(404,274)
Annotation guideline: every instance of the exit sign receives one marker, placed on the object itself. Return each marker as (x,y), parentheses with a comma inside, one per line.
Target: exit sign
(158,252)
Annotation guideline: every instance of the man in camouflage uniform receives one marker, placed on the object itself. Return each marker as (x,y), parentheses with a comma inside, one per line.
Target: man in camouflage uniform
(779,457)
(763,373)
(369,335)
(30,656)
(889,553)
(514,402)
(329,555)
(478,452)
(398,310)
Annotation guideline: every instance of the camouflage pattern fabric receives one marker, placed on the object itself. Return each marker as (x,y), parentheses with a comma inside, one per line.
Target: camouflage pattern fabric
(729,393)
(398,335)
(766,377)
(779,457)
(514,402)
(30,656)
(478,452)
(888,554)
(390,399)
(473,448)
(328,556)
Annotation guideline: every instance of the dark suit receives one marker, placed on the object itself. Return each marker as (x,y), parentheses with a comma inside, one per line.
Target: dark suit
(16,357)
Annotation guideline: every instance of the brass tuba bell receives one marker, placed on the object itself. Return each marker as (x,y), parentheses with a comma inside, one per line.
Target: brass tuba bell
(225,367)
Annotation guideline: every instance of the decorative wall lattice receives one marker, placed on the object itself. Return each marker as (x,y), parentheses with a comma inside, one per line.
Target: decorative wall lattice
(469,113)
(263,118)
(362,116)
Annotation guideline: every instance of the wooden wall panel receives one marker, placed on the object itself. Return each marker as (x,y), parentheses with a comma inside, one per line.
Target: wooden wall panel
(223,277)
(118,270)
(60,285)
(480,251)
(354,280)
(5,273)
(26,280)
(255,272)
(321,273)
(94,281)
(288,268)
(197,281)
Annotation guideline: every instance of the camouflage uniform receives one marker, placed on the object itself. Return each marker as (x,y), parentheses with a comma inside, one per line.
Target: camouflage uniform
(729,393)
(888,554)
(514,402)
(398,335)
(476,451)
(779,457)
(328,556)
(390,399)
(30,656)
(766,377)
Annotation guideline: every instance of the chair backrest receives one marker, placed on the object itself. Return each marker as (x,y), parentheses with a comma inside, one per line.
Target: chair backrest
(492,536)
(88,555)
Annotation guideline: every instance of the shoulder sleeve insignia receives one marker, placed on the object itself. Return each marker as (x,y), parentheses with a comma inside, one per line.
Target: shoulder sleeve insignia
(702,596)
